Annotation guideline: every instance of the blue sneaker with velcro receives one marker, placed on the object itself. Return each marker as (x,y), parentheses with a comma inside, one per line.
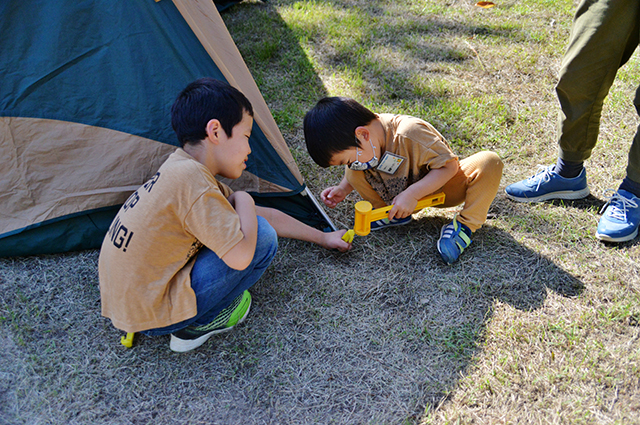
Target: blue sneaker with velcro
(547,184)
(454,238)
(621,217)
(385,222)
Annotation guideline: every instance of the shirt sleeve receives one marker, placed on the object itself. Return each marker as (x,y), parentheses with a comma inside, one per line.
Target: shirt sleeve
(226,190)
(427,145)
(213,221)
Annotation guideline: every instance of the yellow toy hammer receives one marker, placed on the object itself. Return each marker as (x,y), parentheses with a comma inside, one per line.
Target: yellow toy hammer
(365,214)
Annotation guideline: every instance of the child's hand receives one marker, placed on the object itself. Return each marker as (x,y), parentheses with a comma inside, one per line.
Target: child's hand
(332,196)
(403,206)
(334,240)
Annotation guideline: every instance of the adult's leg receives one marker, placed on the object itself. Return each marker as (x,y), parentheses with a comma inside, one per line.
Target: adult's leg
(603,38)
(633,165)
(621,218)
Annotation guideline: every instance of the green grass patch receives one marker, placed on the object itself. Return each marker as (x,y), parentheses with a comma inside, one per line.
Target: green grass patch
(537,323)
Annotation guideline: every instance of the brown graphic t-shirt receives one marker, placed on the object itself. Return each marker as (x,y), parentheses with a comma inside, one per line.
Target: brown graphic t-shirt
(149,250)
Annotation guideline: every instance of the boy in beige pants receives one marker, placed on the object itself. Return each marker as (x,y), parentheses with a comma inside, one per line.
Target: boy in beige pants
(397,160)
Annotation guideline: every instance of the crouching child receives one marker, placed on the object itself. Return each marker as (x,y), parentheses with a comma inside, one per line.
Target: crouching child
(397,160)
(184,249)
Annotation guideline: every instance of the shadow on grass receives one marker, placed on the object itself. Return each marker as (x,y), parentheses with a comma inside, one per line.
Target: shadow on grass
(383,58)
(280,67)
(596,205)
(376,335)
(588,203)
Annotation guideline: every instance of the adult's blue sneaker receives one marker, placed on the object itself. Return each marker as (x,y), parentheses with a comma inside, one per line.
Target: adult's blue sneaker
(620,220)
(547,184)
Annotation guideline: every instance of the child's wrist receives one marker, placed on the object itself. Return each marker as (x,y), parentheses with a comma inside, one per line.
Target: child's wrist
(413,193)
(325,240)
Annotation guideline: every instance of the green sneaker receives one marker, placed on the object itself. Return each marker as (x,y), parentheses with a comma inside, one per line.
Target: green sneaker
(194,336)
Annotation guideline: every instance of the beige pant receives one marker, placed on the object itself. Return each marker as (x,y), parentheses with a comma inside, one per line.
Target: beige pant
(476,185)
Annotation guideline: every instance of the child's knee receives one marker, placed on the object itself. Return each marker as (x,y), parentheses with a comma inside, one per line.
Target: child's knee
(488,164)
(492,161)
(482,163)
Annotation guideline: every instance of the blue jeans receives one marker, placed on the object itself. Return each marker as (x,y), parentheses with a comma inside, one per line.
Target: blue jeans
(216,285)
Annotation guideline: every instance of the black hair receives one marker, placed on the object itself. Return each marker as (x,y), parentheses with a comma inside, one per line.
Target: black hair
(330,127)
(203,100)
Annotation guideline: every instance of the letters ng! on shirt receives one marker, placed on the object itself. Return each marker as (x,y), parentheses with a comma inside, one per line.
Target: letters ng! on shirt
(118,233)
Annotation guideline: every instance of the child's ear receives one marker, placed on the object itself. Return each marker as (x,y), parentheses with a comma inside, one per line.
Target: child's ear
(363,133)
(213,130)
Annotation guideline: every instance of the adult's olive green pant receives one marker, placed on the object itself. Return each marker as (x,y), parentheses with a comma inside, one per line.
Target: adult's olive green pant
(604,35)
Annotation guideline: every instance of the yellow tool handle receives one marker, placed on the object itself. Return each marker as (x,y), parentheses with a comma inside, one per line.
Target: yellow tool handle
(427,201)
(365,215)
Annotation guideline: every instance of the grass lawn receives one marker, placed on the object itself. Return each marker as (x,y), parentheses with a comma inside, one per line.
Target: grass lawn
(538,322)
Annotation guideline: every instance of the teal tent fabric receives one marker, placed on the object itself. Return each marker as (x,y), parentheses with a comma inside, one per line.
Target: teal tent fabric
(114,64)
(84,230)
(225,4)
(119,66)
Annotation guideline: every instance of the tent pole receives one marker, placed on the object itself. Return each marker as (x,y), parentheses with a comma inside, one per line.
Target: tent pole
(319,207)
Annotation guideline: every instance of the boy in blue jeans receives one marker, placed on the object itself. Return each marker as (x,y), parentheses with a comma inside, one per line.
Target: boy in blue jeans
(183,250)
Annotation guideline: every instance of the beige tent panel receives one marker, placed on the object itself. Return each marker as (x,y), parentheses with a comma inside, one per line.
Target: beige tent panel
(56,168)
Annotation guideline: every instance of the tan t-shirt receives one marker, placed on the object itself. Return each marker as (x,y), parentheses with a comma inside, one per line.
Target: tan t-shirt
(148,252)
(421,148)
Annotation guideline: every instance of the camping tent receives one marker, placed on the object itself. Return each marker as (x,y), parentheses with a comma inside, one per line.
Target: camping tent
(86,88)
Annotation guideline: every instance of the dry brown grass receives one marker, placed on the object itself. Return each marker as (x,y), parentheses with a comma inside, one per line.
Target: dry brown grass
(537,323)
